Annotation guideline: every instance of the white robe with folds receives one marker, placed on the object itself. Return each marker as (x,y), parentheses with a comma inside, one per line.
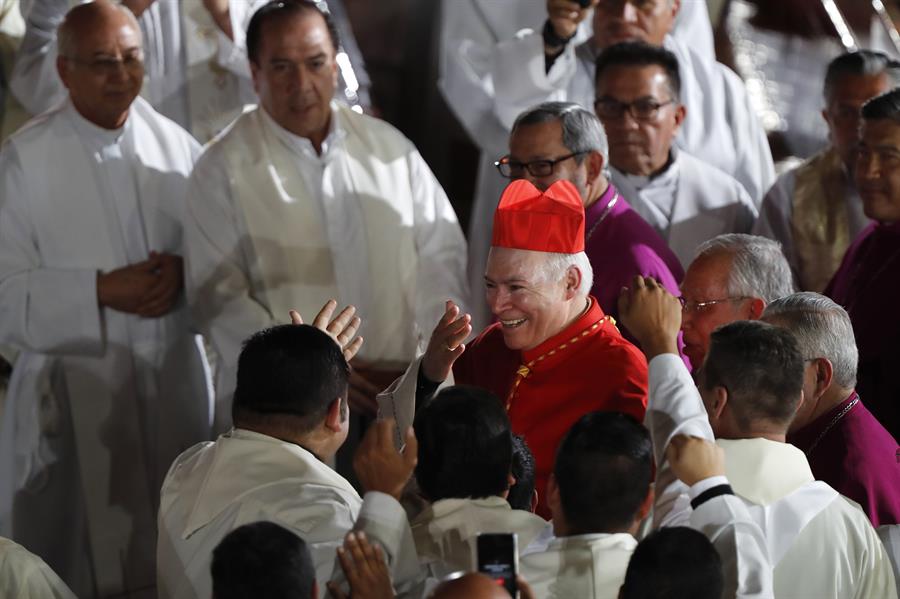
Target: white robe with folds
(807,525)
(273,226)
(246,477)
(100,401)
(195,74)
(689,203)
(446,531)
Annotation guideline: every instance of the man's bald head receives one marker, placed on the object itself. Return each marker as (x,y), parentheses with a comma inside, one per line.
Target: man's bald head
(470,586)
(100,61)
(83,18)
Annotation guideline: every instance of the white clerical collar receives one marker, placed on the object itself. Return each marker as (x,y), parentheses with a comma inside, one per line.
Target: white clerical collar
(667,178)
(92,134)
(302,145)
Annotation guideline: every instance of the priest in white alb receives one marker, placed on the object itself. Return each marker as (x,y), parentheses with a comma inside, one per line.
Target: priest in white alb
(686,199)
(110,383)
(302,199)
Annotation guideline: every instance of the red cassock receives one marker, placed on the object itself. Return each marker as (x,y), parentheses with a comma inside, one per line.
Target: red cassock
(587,367)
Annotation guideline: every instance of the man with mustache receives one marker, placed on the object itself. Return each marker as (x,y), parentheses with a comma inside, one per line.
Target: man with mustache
(867,284)
(302,199)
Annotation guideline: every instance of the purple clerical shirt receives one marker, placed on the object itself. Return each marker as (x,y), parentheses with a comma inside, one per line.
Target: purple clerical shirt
(867,285)
(620,244)
(850,450)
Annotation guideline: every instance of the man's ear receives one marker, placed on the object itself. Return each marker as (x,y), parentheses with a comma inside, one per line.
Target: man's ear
(646,505)
(554,503)
(573,281)
(824,375)
(680,113)
(62,69)
(535,498)
(756,307)
(720,400)
(594,166)
(334,417)
(255,76)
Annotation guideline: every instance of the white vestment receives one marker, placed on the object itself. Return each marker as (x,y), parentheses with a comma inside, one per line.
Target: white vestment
(195,74)
(471,35)
(273,226)
(23,575)
(445,532)
(100,401)
(688,203)
(245,477)
(808,526)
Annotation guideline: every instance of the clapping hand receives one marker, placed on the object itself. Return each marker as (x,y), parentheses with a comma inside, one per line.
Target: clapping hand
(366,569)
(378,464)
(446,343)
(342,328)
(693,459)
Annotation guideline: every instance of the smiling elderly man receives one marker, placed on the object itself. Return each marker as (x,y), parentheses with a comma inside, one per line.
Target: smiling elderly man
(553,355)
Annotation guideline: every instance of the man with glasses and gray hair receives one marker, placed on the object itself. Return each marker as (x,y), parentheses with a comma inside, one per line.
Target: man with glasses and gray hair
(733,277)
(845,445)
(563,141)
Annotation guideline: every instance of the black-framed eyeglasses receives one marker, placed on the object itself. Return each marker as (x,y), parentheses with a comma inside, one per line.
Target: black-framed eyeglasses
(643,109)
(513,169)
(692,306)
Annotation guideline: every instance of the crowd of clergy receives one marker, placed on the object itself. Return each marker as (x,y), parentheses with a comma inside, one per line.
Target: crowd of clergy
(666,371)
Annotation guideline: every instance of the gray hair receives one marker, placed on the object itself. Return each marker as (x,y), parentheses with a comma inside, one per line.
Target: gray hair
(582,131)
(822,329)
(67,33)
(860,63)
(758,267)
(555,266)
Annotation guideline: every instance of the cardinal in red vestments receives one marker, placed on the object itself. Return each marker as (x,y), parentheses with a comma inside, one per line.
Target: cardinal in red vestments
(553,355)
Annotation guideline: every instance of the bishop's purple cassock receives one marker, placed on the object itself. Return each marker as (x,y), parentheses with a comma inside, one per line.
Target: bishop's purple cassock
(867,285)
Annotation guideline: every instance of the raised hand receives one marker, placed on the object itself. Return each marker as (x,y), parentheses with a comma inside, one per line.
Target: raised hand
(342,328)
(378,464)
(366,569)
(652,315)
(446,343)
(137,6)
(565,15)
(693,459)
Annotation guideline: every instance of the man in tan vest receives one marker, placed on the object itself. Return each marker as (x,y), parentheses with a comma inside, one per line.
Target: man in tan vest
(820,192)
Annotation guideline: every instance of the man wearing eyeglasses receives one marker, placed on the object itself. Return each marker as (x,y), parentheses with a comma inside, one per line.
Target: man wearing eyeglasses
(563,141)
(733,277)
(726,132)
(686,200)
(110,383)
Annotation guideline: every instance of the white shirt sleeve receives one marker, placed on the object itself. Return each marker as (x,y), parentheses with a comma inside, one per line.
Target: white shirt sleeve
(34,80)
(32,317)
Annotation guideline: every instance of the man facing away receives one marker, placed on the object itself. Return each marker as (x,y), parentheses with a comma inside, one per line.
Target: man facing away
(301,200)
(685,199)
(867,284)
(110,383)
(291,415)
(814,210)
(465,472)
(553,355)
(750,388)
(732,277)
(845,445)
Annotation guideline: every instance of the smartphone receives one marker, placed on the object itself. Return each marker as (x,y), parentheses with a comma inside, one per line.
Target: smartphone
(498,557)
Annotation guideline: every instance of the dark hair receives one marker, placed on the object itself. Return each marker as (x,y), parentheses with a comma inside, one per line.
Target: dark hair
(289,370)
(641,54)
(278,10)
(521,493)
(760,366)
(582,131)
(262,559)
(860,63)
(603,470)
(885,106)
(465,445)
(672,563)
